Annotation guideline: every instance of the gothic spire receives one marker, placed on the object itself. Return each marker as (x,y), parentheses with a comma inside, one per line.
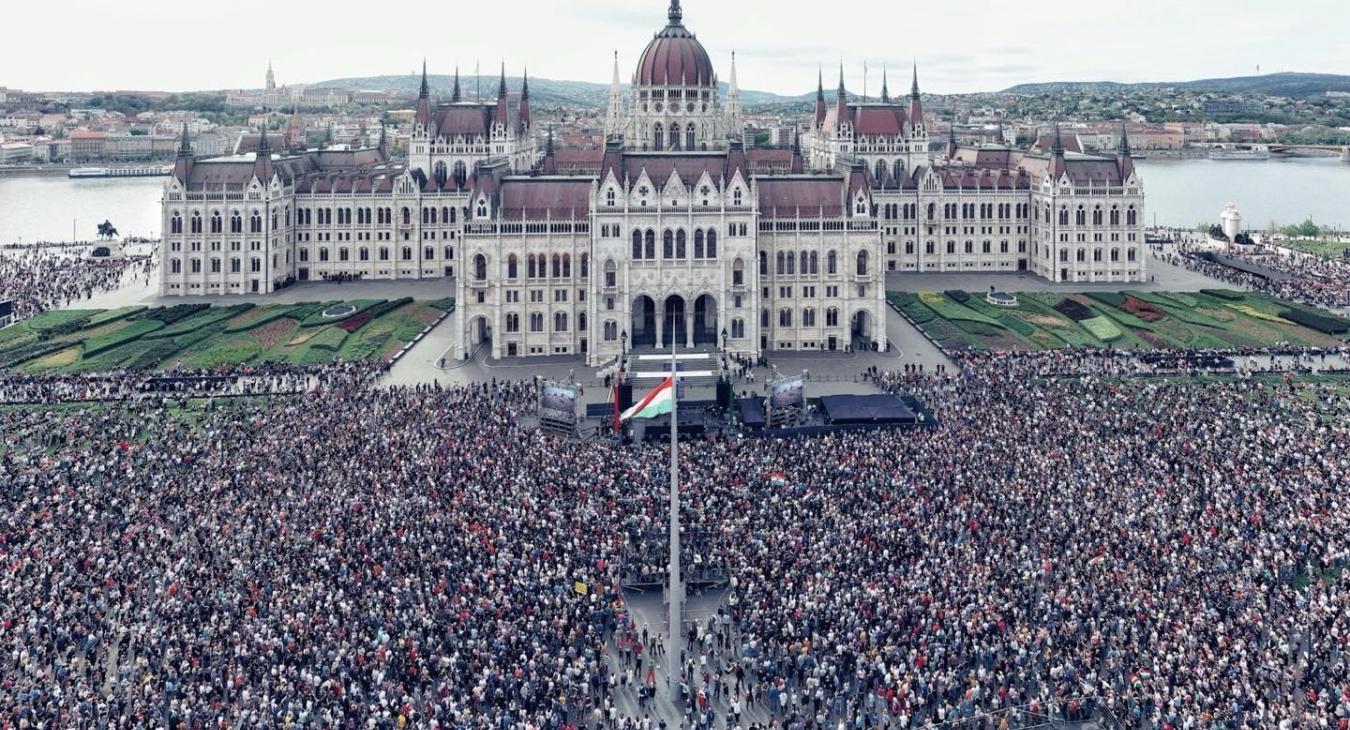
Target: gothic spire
(185,144)
(885,87)
(841,79)
(425,91)
(820,85)
(914,88)
(457,97)
(1124,140)
(1057,142)
(501,87)
(263,147)
(525,85)
(676,15)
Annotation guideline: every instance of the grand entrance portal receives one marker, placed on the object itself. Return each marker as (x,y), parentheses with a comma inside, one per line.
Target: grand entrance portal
(705,320)
(643,327)
(677,325)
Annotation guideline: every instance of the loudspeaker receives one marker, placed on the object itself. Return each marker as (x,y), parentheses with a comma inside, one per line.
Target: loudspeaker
(724,395)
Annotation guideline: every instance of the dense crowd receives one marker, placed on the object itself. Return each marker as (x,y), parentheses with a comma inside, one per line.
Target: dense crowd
(1313,279)
(37,280)
(1161,552)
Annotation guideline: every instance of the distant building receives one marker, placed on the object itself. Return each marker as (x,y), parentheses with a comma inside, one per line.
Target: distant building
(673,230)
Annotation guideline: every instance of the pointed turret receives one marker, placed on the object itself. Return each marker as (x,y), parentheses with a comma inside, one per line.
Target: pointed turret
(383,147)
(182,167)
(841,100)
(952,147)
(885,87)
(184,143)
(675,15)
(1058,166)
(915,105)
(501,86)
(820,97)
(523,117)
(457,96)
(550,164)
(503,116)
(798,164)
(423,117)
(614,121)
(262,161)
(1123,157)
(734,101)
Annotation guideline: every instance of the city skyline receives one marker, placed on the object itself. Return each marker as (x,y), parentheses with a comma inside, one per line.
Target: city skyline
(575,42)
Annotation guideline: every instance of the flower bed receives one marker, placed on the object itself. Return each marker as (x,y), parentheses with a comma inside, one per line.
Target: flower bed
(1074,310)
(1142,309)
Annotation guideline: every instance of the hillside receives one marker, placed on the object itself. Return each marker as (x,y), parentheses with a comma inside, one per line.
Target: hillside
(1292,85)
(542,91)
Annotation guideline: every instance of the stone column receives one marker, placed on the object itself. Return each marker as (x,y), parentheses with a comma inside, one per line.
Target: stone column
(689,324)
(660,318)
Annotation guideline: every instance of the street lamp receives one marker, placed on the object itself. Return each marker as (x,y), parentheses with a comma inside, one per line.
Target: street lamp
(623,344)
(724,339)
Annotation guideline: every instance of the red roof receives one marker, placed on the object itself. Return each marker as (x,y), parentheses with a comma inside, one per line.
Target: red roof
(675,58)
(538,199)
(785,197)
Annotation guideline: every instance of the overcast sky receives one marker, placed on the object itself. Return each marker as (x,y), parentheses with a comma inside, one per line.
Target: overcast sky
(973,45)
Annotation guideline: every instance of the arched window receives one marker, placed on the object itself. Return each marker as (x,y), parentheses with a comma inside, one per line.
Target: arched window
(711,250)
(832,317)
(557,266)
(585,265)
(461,174)
(1115,215)
(815,262)
(531,267)
(862,263)
(1097,216)
(1082,255)
(763,264)
(323,254)
(880,171)
(512,267)
(1064,216)
(736,197)
(609,197)
(780,267)
(899,171)
(738,272)
(196,222)
(680,249)
(480,267)
(1097,255)
(689,137)
(637,244)
(1115,255)
(1131,216)
(407,217)
(1129,254)
(567,266)
(658,137)
(667,244)
(649,245)
(738,328)
(441,174)
(611,330)
(804,262)
(255,223)
(176,223)
(698,243)
(674,136)
(832,262)
(559,321)
(216,222)
(791,263)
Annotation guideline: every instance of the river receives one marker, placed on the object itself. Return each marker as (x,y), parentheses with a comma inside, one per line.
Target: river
(1180,193)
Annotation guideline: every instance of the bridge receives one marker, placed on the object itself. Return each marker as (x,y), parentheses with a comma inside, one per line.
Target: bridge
(1342,150)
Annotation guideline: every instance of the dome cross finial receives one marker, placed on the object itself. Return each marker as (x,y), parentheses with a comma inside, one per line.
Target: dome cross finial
(676,14)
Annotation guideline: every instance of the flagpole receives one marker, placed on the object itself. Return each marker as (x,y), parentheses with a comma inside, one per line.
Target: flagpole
(674,663)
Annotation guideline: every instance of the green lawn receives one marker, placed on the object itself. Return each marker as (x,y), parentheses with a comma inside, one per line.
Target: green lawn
(1325,249)
(138,338)
(1174,321)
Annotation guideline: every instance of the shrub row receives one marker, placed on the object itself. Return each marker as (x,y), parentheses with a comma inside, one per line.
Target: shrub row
(445,305)
(1114,299)
(1225,294)
(19,355)
(1325,324)
(170,315)
(1074,310)
(131,332)
(958,295)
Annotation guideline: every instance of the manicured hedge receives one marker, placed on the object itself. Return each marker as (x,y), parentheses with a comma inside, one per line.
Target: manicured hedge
(19,355)
(170,315)
(1323,323)
(113,315)
(1226,294)
(61,321)
(152,356)
(202,320)
(1114,299)
(445,305)
(958,295)
(129,333)
(259,317)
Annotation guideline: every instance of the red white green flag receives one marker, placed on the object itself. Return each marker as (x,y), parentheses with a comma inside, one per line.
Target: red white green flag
(656,403)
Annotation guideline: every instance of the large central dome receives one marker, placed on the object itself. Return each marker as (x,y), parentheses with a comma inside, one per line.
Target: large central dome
(675,57)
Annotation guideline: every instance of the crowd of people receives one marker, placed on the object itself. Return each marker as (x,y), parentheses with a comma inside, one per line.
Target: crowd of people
(1314,280)
(264,379)
(39,279)
(1164,553)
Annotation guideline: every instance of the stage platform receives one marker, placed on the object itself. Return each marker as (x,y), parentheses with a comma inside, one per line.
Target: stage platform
(885,409)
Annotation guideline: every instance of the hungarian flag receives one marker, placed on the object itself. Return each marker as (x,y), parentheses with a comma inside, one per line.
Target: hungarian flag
(656,403)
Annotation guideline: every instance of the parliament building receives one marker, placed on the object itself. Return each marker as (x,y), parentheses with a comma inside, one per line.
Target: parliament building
(672,232)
